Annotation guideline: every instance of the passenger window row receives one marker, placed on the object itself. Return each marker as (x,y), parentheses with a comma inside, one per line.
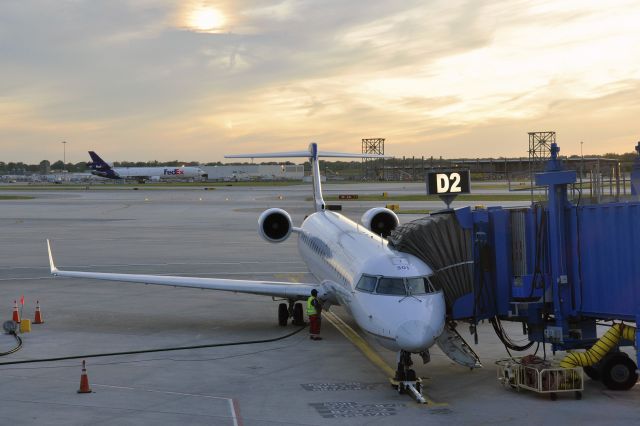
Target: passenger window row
(321,248)
(316,245)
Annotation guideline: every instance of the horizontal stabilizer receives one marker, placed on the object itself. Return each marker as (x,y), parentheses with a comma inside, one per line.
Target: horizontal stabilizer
(313,154)
(349,155)
(290,154)
(306,154)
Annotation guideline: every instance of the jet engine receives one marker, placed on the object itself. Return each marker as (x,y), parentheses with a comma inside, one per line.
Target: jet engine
(274,225)
(380,221)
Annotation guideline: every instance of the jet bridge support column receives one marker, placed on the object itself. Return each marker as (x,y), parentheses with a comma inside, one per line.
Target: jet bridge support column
(637,343)
(557,179)
(635,174)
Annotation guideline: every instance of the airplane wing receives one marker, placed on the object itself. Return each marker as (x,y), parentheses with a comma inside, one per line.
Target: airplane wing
(298,291)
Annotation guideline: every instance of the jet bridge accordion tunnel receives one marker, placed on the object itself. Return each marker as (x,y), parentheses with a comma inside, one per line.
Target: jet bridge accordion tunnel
(560,267)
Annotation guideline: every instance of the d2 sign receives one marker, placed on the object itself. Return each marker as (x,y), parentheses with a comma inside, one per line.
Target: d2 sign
(448,182)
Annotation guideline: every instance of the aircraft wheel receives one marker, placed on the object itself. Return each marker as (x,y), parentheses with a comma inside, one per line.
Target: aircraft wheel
(298,316)
(283,314)
(619,372)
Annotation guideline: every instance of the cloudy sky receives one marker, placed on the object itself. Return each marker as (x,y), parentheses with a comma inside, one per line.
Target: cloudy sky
(193,80)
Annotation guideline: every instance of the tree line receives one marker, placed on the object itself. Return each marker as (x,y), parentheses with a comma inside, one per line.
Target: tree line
(45,166)
(338,167)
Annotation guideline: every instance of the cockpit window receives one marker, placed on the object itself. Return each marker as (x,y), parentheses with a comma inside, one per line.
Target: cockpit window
(394,286)
(416,285)
(367,283)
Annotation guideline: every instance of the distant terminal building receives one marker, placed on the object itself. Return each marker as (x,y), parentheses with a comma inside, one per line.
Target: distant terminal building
(412,168)
(250,172)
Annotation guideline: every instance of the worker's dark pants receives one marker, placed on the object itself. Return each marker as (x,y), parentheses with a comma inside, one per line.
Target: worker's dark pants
(314,325)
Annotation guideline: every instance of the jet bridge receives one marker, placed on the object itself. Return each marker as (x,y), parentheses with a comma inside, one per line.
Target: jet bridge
(560,267)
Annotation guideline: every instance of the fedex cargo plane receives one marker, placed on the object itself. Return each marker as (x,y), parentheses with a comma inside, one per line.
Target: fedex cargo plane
(101,168)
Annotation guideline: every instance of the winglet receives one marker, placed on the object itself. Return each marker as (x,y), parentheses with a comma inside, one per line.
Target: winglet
(54,270)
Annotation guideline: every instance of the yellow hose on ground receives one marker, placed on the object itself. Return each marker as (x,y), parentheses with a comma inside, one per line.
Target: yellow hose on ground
(602,347)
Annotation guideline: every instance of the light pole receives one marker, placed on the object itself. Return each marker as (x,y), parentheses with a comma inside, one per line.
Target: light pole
(64,154)
(582,168)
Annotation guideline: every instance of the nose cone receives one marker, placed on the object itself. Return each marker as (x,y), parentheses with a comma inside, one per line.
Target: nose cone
(415,336)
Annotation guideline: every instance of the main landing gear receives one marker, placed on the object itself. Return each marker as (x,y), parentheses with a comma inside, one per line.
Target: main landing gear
(293,310)
(405,380)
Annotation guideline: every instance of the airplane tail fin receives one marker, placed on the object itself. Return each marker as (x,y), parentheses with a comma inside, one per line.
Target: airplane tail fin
(98,163)
(313,154)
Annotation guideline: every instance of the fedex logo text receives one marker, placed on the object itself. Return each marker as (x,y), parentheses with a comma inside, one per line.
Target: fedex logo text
(173,171)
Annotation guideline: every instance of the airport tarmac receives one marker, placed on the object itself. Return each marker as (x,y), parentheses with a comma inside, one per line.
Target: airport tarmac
(293,381)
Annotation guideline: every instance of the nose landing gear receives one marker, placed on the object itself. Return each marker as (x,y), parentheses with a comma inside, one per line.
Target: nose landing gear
(405,380)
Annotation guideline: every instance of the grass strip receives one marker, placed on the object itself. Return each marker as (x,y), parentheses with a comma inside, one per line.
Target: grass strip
(414,211)
(15,197)
(146,186)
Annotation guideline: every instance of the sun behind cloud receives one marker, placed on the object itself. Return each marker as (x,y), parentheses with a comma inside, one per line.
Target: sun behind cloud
(205,18)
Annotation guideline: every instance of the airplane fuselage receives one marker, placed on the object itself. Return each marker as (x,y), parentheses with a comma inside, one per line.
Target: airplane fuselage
(152,173)
(341,254)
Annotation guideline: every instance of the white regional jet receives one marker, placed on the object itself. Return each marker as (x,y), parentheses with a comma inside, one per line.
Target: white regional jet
(387,292)
(101,168)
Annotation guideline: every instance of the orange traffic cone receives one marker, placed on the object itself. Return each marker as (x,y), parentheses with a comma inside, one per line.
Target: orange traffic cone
(16,314)
(84,380)
(38,318)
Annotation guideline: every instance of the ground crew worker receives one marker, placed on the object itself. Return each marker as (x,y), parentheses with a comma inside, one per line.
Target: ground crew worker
(314,311)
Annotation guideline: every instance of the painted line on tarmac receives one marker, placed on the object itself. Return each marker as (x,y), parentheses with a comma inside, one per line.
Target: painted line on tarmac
(368,351)
(235,416)
(359,342)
